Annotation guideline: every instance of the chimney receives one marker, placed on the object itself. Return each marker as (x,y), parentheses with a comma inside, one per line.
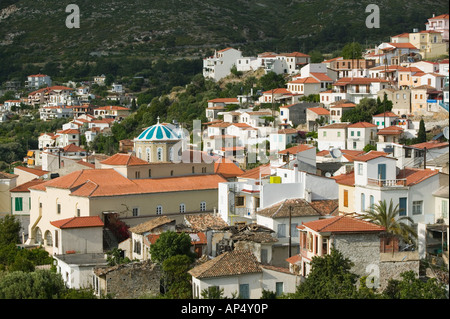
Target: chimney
(295,173)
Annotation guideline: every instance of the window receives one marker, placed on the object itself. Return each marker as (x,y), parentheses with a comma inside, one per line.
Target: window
(338,134)
(324,246)
(352,133)
(358,133)
(48,238)
(137,174)
(244,291)
(281,231)
(345,198)
(402,206)
(417,207)
(324,134)
(182,208)
(58,208)
(444,209)
(294,231)
(159,155)
(363,202)
(203,206)
(18,204)
(240,201)
(360,168)
(78,212)
(372,201)
(279,288)
(159,210)
(149,173)
(135,211)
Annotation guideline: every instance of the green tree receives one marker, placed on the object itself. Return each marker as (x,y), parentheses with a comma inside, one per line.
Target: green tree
(421,134)
(40,284)
(170,244)
(271,81)
(389,217)
(9,230)
(369,147)
(329,278)
(412,287)
(352,50)
(176,278)
(115,257)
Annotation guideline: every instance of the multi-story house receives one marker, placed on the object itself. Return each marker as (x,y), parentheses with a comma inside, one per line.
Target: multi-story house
(348,68)
(294,61)
(338,109)
(35,81)
(219,65)
(429,43)
(355,89)
(304,86)
(408,77)
(377,178)
(439,23)
(401,100)
(396,53)
(361,134)
(332,136)
(314,115)
(419,100)
(384,119)
(356,239)
(112,112)
(55,112)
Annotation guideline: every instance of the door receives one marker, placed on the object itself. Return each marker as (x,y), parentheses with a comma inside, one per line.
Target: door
(382,171)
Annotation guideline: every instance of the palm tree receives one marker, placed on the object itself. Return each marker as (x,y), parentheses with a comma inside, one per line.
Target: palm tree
(389,218)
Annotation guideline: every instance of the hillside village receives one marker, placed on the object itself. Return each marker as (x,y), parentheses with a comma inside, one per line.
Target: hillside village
(272,179)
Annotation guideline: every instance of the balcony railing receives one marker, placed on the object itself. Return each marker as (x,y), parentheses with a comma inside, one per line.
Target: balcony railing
(387,182)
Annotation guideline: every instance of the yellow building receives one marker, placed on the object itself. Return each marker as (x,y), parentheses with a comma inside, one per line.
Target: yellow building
(346,184)
(106,193)
(429,43)
(7,182)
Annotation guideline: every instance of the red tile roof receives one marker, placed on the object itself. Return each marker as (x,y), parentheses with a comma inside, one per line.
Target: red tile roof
(124,159)
(390,130)
(24,187)
(343,224)
(345,179)
(78,222)
(227,168)
(296,149)
(254,172)
(113,107)
(73,148)
(322,77)
(442,16)
(361,125)
(388,114)
(108,182)
(35,171)
(224,100)
(231,263)
(403,45)
(430,145)
(415,176)
(305,80)
(319,110)
(371,155)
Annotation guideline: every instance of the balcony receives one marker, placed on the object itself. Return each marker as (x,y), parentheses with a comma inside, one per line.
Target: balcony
(386,182)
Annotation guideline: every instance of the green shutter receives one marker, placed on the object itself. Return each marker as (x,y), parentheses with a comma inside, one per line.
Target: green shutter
(18,204)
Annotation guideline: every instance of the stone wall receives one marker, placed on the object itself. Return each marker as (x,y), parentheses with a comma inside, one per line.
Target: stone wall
(393,264)
(133,280)
(362,249)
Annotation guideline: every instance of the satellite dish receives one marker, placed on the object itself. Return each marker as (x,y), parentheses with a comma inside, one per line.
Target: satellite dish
(327,174)
(335,152)
(445,132)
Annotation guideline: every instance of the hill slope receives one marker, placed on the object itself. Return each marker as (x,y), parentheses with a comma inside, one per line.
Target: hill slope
(36,28)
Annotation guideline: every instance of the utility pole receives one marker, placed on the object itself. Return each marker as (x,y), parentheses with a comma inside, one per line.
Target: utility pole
(290,219)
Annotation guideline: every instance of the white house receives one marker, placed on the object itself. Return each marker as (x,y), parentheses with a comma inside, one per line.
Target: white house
(361,134)
(332,136)
(219,65)
(35,81)
(377,178)
(238,272)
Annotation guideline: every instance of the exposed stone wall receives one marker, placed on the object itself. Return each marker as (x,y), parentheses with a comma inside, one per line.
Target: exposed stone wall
(131,281)
(362,249)
(393,264)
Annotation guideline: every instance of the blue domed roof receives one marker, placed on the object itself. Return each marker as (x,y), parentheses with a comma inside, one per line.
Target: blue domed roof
(158,132)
